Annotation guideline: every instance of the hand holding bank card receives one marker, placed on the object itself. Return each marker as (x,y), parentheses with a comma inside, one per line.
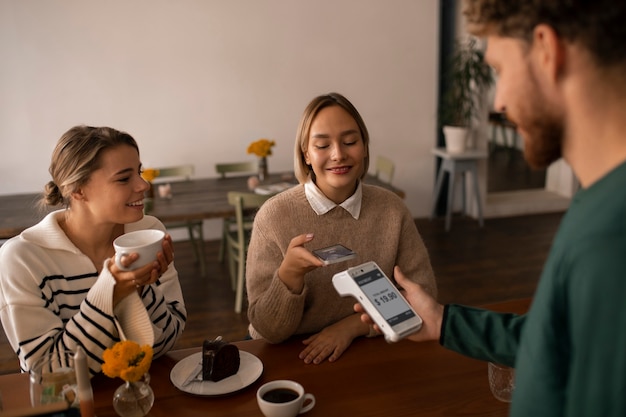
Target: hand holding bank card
(380,298)
(334,254)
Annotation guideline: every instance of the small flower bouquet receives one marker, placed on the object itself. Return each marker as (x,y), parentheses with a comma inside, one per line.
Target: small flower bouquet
(127,360)
(261,148)
(149,174)
(131,362)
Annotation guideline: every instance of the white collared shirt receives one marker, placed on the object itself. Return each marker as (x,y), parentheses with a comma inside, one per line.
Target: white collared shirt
(322,204)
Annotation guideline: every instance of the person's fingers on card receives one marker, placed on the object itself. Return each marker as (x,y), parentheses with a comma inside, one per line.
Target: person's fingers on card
(300,256)
(300,240)
(297,261)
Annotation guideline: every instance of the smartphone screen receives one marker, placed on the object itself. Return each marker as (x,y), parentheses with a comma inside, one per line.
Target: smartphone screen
(384,296)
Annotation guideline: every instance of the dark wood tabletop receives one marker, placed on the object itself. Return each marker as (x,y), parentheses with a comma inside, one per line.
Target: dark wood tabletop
(372,378)
(202,198)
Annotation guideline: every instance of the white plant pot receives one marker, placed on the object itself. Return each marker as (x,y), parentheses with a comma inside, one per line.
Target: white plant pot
(456,138)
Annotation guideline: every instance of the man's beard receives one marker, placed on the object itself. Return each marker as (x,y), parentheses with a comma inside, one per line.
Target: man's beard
(543,127)
(543,144)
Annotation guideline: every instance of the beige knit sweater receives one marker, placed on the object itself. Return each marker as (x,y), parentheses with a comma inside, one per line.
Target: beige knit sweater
(385,233)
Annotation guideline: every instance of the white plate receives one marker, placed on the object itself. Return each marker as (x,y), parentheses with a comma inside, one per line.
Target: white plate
(250,369)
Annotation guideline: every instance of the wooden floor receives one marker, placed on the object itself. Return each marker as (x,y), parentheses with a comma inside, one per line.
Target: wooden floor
(473,265)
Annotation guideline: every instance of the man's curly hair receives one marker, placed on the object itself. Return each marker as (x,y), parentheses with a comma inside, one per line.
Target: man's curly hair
(598,25)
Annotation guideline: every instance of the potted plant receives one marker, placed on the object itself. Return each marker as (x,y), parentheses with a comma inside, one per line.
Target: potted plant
(466,79)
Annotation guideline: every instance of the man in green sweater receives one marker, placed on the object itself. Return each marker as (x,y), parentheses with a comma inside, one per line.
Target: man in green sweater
(562,80)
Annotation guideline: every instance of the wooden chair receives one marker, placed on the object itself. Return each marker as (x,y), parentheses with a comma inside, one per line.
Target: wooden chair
(224,169)
(384,169)
(237,240)
(251,167)
(194,227)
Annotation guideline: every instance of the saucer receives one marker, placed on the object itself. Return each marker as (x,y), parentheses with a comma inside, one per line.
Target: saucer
(250,369)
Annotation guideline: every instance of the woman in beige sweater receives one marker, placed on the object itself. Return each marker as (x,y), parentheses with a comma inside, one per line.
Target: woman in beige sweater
(290,290)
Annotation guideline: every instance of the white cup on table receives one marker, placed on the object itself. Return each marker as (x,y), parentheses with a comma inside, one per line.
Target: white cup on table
(283,398)
(165,190)
(146,243)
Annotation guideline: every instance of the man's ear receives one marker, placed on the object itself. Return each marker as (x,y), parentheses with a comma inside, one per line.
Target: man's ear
(550,50)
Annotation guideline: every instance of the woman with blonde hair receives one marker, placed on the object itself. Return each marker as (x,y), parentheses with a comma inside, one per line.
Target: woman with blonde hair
(60,288)
(289,289)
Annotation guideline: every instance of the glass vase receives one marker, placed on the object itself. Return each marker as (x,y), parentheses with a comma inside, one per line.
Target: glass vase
(262,168)
(134,399)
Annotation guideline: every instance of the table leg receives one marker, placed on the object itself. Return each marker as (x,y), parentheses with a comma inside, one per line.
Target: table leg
(477,195)
(464,192)
(450,167)
(438,185)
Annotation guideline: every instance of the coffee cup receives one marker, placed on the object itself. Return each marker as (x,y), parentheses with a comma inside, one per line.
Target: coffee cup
(146,243)
(283,398)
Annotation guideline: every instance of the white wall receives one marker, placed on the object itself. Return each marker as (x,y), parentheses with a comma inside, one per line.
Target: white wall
(197,80)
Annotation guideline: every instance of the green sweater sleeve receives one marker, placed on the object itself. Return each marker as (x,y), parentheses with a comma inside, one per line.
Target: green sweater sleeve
(482,334)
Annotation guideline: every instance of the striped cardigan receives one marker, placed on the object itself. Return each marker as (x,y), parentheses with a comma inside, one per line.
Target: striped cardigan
(53,300)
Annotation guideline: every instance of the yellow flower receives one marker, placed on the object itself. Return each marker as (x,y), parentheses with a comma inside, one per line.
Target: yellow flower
(149,174)
(127,360)
(261,147)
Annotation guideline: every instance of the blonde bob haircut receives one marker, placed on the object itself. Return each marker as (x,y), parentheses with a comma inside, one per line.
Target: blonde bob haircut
(301,169)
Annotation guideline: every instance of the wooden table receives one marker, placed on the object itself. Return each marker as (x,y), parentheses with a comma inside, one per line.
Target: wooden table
(203,198)
(372,378)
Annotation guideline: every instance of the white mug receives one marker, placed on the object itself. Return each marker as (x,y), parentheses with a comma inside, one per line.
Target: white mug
(283,398)
(146,243)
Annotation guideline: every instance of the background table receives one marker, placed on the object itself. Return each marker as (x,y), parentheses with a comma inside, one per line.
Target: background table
(372,378)
(454,163)
(202,198)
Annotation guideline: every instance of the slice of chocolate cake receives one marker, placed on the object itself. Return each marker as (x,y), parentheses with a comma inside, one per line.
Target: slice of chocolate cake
(219,360)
